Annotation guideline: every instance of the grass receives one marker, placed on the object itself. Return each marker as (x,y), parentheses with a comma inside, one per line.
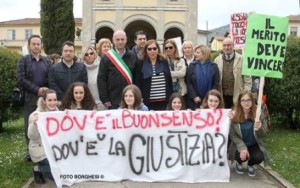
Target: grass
(283,146)
(14,171)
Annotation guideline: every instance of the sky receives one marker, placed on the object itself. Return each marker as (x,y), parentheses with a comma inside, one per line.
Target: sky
(211,13)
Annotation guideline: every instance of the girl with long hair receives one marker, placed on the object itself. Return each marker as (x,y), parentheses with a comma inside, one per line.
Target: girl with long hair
(176,102)
(213,100)
(78,97)
(46,103)
(246,135)
(132,99)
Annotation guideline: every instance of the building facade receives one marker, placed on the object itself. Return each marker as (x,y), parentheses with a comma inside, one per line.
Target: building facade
(160,19)
(14,34)
(294,25)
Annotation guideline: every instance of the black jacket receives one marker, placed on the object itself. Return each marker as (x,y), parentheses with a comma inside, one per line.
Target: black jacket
(25,75)
(110,81)
(145,83)
(192,82)
(61,77)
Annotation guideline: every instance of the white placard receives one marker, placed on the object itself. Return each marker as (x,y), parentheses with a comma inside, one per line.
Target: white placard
(162,146)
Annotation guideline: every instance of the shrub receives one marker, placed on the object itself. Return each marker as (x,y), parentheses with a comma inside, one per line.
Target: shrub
(283,94)
(8,67)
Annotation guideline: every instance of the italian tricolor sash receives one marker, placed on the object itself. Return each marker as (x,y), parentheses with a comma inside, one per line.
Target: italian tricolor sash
(120,64)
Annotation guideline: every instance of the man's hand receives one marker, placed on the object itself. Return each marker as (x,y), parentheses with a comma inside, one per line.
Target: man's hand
(197,99)
(107,104)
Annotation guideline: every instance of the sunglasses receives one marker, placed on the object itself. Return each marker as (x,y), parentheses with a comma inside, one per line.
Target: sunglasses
(168,47)
(152,49)
(89,54)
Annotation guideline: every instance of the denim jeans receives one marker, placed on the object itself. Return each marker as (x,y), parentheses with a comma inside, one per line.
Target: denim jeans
(44,167)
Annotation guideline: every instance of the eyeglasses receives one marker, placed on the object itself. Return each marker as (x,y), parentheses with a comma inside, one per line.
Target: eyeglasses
(152,49)
(168,47)
(89,54)
(226,44)
(246,100)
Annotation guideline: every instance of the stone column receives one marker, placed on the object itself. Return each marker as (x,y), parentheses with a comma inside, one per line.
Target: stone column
(87,22)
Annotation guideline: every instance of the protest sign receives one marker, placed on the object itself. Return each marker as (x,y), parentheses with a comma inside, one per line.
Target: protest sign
(163,146)
(238,29)
(265,45)
(178,42)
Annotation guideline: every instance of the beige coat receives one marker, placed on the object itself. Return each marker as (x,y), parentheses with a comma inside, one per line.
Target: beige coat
(241,82)
(179,73)
(36,149)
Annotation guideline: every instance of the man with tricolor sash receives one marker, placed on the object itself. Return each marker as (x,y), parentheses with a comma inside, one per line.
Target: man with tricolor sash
(116,71)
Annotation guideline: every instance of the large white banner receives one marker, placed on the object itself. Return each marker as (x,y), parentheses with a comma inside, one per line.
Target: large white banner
(165,146)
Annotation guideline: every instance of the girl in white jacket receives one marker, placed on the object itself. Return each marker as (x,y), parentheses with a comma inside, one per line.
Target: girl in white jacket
(48,102)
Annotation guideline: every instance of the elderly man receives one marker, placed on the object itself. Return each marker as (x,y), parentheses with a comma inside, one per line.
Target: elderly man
(116,71)
(232,82)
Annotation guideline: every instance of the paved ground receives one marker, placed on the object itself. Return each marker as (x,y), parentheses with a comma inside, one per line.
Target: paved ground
(265,178)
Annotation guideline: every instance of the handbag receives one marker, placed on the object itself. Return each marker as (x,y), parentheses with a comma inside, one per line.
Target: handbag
(18,97)
(176,86)
(18,94)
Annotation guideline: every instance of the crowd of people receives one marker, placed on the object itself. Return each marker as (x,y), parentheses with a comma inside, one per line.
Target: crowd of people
(144,78)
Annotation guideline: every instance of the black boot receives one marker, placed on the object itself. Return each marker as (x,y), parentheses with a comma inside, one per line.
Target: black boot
(38,177)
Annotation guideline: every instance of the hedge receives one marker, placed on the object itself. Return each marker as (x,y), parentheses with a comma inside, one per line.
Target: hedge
(8,67)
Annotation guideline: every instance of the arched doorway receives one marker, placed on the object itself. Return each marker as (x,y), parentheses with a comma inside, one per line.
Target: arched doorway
(172,33)
(104,32)
(135,26)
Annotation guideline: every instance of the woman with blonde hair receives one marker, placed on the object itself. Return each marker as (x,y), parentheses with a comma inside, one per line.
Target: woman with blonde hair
(91,61)
(177,67)
(188,52)
(103,46)
(203,75)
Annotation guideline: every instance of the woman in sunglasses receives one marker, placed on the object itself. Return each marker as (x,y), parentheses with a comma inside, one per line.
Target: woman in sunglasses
(91,61)
(177,67)
(154,76)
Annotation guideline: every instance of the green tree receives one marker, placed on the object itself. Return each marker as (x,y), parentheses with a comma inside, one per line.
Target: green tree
(57,24)
(8,64)
(284,94)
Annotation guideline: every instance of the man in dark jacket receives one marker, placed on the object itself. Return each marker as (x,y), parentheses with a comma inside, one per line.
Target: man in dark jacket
(64,73)
(111,79)
(32,73)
